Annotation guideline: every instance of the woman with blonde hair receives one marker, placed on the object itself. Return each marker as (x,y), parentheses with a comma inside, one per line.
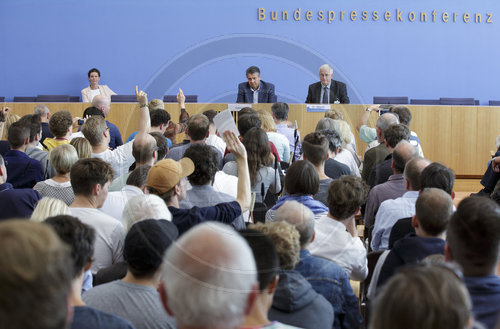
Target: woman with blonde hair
(62,158)
(82,147)
(279,140)
(49,207)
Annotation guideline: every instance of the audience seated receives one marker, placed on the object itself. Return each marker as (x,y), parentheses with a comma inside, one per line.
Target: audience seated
(103,103)
(378,153)
(432,214)
(167,180)
(135,186)
(267,261)
(161,144)
(202,194)
(80,238)
(34,149)
(213,139)
(135,297)
(35,277)
(336,236)
(24,172)
(391,210)
(392,136)
(326,277)
(49,207)
(61,126)
(44,113)
(279,140)
(263,176)
(295,302)
(473,241)
(435,175)
(145,153)
(62,158)
(90,179)
(315,148)
(197,289)
(15,203)
(431,297)
(301,183)
(280,115)
(394,187)
(348,141)
(333,168)
(96,131)
(338,115)
(144,206)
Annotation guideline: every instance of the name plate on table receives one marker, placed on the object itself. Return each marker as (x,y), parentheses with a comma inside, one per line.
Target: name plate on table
(237,107)
(318,108)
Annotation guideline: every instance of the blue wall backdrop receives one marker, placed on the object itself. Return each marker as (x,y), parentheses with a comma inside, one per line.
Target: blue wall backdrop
(204,47)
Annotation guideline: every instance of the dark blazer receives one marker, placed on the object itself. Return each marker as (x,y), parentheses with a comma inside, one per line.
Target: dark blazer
(266,93)
(338,91)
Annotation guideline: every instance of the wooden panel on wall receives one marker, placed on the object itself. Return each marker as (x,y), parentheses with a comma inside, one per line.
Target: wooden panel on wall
(463,147)
(460,136)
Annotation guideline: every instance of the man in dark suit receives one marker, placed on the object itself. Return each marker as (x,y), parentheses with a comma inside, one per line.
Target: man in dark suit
(327,91)
(255,90)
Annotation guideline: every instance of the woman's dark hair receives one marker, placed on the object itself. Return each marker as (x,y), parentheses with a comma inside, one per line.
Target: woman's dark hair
(302,179)
(94,70)
(258,150)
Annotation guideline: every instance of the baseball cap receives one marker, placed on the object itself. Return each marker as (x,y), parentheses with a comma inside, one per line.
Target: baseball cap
(165,174)
(146,242)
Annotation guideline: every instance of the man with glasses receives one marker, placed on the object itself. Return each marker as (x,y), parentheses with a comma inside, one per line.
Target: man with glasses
(327,90)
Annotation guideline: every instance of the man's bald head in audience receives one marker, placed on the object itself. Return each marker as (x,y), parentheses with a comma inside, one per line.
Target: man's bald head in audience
(210,278)
(301,217)
(412,172)
(102,103)
(144,149)
(403,152)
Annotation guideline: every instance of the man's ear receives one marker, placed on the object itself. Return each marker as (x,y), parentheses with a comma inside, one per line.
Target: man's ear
(447,253)
(271,288)
(252,297)
(414,221)
(164,298)
(27,141)
(312,238)
(177,189)
(87,266)
(96,190)
(453,195)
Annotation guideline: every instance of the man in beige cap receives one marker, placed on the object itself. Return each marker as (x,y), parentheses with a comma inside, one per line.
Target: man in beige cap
(167,179)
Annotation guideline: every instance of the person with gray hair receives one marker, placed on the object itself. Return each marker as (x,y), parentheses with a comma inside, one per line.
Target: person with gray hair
(145,206)
(209,278)
(326,277)
(62,158)
(327,90)
(391,210)
(44,113)
(377,154)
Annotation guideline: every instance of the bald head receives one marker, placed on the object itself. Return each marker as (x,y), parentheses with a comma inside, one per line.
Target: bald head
(385,121)
(403,152)
(300,216)
(102,103)
(144,148)
(412,172)
(209,275)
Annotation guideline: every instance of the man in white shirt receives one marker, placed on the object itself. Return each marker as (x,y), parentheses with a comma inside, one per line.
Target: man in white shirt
(391,210)
(97,132)
(336,236)
(90,180)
